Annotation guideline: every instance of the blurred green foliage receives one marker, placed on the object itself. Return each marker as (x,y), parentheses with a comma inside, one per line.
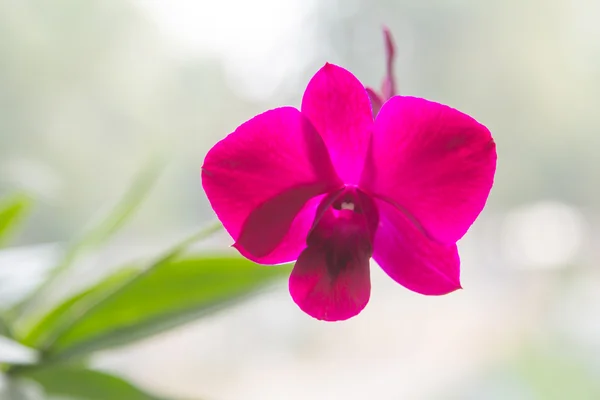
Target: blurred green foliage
(85,384)
(541,368)
(12,212)
(135,302)
(168,294)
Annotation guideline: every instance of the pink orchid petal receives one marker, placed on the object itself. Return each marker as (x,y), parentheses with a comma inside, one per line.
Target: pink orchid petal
(294,242)
(412,259)
(339,108)
(267,226)
(433,162)
(376,100)
(325,295)
(260,177)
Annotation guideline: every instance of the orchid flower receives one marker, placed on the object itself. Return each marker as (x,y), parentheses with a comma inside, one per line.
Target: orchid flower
(331,186)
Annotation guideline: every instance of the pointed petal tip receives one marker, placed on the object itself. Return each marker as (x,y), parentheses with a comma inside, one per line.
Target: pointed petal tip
(458,286)
(443,292)
(239,249)
(331,67)
(457,283)
(244,253)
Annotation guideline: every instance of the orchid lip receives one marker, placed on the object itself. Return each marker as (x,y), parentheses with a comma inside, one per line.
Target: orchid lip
(331,277)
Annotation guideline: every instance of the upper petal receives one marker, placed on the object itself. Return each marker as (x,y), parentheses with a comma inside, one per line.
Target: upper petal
(411,258)
(339,108)
(433,162)
(259,177)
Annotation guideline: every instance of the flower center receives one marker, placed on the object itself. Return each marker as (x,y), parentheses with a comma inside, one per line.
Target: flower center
(347,205)
(344,228)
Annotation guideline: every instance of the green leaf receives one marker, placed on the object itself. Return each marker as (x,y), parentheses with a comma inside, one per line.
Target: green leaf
(102,229)
(62,318)
(109,224)
(12,211)
(171,293)
(96,235)
(4,328)
(19,389)
(84,384)
(71,307)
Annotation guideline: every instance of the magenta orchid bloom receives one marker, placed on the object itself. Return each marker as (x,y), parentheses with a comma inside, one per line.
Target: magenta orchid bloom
(331,186)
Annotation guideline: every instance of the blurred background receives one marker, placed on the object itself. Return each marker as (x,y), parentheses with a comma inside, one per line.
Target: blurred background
(92,90)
